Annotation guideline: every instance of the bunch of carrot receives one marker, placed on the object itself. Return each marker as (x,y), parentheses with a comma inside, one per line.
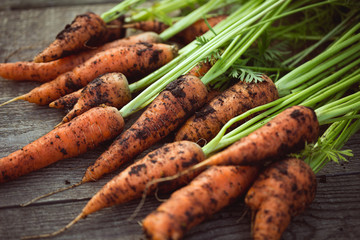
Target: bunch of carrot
(270,127)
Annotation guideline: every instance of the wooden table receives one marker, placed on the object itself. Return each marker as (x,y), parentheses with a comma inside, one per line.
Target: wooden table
(24,31)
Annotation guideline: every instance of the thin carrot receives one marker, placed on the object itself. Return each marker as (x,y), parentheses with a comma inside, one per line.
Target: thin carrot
(200,69)
(285,189)
(242,96)
(44,72)
(131,61)
(167,111)
(114,30)
(148,25)
(110,89)
(67,101)
(131,182)
(186,36)
(84,30)
(209,192)
(83,133)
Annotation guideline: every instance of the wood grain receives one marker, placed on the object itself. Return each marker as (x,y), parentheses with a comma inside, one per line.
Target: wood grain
(335,213)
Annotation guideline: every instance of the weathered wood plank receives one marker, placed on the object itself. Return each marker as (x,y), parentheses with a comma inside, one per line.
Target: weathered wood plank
(333,215)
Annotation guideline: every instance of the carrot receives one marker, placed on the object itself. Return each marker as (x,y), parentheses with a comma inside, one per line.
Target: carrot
(84,29)
(207,122)
(147,25)
(44,72)
(83,133)
(68,101)
(114,30)
(200,69)
(209,192)
(281,192)
(185,36)
(131,182)
(167,111)
(285,133)
(110,89)
(131,61)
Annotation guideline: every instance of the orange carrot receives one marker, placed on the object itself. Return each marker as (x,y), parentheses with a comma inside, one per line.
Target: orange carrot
(200,69)
(185,36)
(83,133)
(285,133)
(207,122)
(131,61)
(147,25)
(209,192)
(131,182)
(84,29)
(68,101)
(110,89)
(44,72)
(167,111)
(114,30)
(281,192)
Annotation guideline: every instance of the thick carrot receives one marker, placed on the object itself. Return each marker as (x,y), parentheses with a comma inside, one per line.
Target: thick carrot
(111,89)
(83,133)
(285,133)
(209,192)
(131,183)
(44,72)
(242,96)
(131,61)
(185,36)
(85,28)
(282,191)
(167,111)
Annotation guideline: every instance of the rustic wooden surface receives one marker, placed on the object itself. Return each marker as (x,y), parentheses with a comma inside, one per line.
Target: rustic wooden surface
(335,213)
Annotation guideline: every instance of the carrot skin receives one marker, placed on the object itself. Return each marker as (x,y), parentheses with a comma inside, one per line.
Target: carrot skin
(130,183)
(285,133)
(74,138)
(187,207)
(285,189)
(167,111)
(131,61)
(44,72)
(111,89)
(84,29)
(242,96)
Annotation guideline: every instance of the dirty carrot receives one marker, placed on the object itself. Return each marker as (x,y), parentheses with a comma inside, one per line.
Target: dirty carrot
(186,36)
(286,132)
(84,31)
(44,72)
(242,96)
(131,61)
(83,133)
(131,182)
(168,110)
(68,101)
(205,195)
(285,189)
(110,89)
